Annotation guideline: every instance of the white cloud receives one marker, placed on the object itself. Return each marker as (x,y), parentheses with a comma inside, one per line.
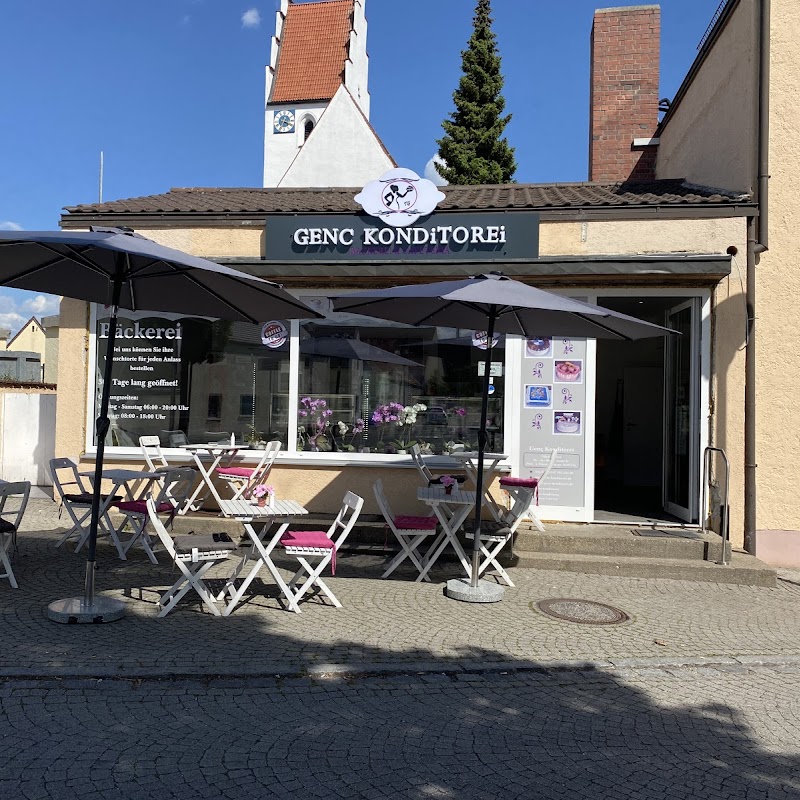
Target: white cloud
(251,18)
(41,305)
(8,225)
(431,173)
(11,321)
(17,308)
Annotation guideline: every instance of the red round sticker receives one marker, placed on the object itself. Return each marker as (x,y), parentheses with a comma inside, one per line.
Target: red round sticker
(274,334)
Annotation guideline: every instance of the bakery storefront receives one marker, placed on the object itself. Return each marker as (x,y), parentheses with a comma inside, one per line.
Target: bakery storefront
(348,395)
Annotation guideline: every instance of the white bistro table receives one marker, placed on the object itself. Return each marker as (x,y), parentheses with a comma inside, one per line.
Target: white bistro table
(251,516)
(207,457)
(451,510)
(121,479)
(491,469)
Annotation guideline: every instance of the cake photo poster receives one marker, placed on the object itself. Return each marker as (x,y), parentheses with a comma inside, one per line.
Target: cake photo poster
(554,417)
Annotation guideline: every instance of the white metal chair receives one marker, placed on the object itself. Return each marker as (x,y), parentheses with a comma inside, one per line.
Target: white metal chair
(512,485)
(410,533)
(495,536)
(157,462)
(425,472)
(173,490)
(322,547)
(76,497)
(9,528)
(242,480)
(193,554)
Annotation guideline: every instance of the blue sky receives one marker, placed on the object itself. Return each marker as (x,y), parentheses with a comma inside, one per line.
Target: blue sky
(172,91)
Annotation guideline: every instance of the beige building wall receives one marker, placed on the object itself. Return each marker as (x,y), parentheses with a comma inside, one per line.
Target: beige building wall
(710,138)
(51,352)
(321,488)
(710,135)
(30,338)
(778,342)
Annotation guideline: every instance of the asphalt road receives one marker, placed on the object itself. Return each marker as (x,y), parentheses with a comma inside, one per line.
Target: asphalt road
(729,731)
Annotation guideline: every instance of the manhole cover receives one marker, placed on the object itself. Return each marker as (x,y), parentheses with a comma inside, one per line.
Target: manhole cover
(586,612)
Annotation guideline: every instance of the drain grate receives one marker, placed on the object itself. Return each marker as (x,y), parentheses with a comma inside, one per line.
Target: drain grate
(584,612)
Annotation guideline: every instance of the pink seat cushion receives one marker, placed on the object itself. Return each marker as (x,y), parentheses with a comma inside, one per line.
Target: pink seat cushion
(140,507)
(530,483)
(406,523)
(236,472)
(310,539)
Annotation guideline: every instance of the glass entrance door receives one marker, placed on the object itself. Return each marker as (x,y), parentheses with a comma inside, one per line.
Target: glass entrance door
(681,404)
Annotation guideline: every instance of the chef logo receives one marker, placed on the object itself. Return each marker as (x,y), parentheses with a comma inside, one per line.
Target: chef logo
(399,197)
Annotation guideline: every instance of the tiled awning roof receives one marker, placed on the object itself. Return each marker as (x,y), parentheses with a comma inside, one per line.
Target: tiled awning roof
(515,196)
(312,52)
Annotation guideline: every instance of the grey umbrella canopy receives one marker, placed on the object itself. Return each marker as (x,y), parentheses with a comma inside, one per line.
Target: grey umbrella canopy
(496,304)
(352,349)
(518,309)
(124,270)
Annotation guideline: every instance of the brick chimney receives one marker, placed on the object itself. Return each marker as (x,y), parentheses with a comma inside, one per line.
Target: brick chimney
(623,114)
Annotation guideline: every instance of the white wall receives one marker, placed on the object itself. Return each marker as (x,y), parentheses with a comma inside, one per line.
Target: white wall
(280,149)
(27,437)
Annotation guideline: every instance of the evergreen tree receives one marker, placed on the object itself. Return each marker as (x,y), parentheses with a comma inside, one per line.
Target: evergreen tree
(473,147)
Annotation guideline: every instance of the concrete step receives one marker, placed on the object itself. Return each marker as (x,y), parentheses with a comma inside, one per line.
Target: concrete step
(743,569)
(679,554)
(631,542)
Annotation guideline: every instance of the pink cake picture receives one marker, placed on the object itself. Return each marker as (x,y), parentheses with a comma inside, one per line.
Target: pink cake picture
(567,422)
(537,348)
(568,371)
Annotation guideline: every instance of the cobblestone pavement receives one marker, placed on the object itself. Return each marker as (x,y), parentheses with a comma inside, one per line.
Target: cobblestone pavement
(652,734)
(385,626)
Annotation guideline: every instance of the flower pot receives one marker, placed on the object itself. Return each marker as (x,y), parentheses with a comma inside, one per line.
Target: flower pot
(401,452)
(262,501)
(448,490)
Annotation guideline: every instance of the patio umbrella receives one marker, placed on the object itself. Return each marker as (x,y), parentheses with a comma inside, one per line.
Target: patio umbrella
(496,304)
(352,349)
(125,270)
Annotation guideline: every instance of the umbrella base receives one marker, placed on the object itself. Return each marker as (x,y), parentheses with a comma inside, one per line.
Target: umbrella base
(73,610)
(484,592)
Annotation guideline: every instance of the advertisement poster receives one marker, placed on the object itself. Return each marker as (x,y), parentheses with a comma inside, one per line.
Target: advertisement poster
(554,417)
(145,393)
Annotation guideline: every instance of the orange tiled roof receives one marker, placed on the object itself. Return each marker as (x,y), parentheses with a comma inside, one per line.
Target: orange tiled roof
(313,49)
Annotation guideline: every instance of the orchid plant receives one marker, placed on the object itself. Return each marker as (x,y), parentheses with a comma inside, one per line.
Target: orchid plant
(263,490)
(314,412)
(343,430)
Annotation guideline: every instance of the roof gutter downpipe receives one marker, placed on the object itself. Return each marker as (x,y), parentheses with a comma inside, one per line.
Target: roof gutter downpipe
(757,243)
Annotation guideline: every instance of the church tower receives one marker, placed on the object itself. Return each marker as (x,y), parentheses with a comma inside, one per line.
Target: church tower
(317,130)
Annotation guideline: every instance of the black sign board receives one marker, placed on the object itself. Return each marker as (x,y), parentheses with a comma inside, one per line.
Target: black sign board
(488,236)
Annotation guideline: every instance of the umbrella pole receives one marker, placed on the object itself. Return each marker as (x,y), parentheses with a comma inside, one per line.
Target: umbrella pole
(89,608)
(482,436)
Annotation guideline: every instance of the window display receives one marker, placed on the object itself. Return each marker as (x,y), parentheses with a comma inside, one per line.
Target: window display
(364,385)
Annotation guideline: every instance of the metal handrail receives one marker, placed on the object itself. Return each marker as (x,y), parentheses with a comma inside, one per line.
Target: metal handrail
(703,509)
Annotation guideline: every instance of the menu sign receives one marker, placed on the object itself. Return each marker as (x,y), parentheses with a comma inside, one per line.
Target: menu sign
(554,417)
(145,374)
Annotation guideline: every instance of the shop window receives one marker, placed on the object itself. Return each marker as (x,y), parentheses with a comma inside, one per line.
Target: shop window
(196,377)
(380,388)
(365,385)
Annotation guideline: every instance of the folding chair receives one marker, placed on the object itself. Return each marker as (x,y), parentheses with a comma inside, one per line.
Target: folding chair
(513,484)
(424,471)
(321,546)
(173,490)
(157,462)
(76,497)
(410,533)
(8,529)
(193,554)
(242,480)
(497,535)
